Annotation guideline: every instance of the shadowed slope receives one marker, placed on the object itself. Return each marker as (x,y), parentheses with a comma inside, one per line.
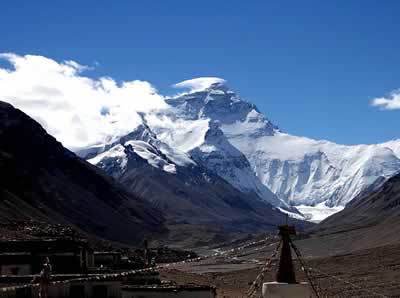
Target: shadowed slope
(43,180)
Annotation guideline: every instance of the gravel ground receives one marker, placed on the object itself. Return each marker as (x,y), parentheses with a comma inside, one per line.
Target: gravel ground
(364,273)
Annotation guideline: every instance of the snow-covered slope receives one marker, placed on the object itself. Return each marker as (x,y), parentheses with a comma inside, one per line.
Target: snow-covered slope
(204,141)
(143,145)
(219,156)
(305,171)
(300,171)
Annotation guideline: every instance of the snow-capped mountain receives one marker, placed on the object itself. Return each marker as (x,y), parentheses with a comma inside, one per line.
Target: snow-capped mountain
(186,186)
(140,144)
(319,177)
(213,127)
(204,141)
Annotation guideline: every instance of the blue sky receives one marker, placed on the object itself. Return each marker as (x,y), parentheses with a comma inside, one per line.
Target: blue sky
(313,67)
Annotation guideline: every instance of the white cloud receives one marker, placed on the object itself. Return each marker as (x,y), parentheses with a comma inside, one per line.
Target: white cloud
(199,84)
(391,103)
(79,111)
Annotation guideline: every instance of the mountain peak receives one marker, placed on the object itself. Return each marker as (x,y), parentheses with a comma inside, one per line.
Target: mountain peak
(201,84)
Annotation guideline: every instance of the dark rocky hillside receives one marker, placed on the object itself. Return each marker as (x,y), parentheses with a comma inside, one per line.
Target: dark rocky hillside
(41,180)
(369,220)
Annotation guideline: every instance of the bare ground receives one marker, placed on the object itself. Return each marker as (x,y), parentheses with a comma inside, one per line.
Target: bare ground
(371,272)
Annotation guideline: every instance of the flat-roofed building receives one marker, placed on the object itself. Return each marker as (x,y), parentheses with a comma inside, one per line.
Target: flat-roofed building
(24,257)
